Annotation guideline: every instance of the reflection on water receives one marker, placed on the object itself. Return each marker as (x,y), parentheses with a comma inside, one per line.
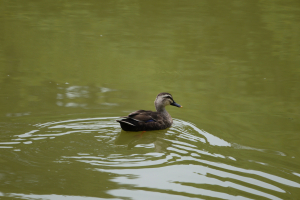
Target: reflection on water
(176,163)
(72,96)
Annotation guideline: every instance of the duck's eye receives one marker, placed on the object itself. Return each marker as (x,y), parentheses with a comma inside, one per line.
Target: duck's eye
(170,98)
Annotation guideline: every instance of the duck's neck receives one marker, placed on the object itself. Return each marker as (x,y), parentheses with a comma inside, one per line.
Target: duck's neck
(161,109)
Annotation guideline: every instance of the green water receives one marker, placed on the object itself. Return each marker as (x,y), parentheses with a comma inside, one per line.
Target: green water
(68,69)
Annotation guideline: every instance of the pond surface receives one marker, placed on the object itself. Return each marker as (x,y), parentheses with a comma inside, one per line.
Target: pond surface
(69,69)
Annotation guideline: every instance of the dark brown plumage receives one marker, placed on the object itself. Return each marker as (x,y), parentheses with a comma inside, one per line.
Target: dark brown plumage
(145,120)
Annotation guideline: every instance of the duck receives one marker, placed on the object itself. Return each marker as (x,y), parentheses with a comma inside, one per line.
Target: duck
(146,120)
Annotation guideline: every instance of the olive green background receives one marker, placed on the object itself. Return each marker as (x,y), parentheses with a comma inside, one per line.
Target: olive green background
(234,66)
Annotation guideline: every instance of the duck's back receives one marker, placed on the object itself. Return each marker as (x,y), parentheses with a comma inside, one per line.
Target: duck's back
(145,120)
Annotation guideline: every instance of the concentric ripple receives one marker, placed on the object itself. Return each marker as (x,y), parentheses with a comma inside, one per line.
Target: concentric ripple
(182,162)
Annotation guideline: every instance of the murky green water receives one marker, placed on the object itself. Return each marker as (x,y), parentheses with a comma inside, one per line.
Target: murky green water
(68,69)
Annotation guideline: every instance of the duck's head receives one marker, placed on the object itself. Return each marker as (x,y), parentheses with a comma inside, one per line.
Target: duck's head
(165,99)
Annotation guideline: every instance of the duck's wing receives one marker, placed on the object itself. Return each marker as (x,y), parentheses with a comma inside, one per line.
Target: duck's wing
(139,116)
(143,116)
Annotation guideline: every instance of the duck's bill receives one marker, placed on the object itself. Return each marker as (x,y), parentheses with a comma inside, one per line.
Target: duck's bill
(176,104)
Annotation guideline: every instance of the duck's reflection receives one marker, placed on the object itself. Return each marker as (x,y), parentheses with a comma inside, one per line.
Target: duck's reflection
(131,139)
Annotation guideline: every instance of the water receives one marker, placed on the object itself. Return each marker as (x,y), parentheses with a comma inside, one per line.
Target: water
(69,69)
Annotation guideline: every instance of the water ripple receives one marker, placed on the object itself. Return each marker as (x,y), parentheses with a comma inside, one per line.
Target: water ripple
(181,161)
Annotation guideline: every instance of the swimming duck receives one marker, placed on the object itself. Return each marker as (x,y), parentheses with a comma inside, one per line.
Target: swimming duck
(146,120)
